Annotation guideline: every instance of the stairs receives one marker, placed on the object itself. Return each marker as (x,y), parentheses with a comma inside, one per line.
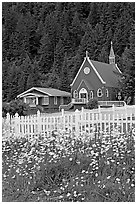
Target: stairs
(66,107)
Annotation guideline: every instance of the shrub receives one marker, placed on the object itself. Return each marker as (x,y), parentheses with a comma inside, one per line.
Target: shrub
(92,104)
(15,106)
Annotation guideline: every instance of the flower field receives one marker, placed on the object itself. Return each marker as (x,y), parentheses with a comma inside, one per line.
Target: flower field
(66,167)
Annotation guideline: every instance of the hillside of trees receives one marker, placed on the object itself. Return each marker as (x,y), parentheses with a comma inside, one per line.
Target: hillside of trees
(44,43)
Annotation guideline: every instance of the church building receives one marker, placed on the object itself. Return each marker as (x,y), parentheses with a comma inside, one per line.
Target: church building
(96,80)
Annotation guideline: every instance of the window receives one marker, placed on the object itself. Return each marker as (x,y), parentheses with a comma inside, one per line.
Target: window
(75,94)
(55,100)
(107,95)
(61,100)
(45,100)
(31,101)
(99,93)
(91,95)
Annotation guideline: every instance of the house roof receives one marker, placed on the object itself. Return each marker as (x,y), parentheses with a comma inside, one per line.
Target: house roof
(47,91)
(107,73)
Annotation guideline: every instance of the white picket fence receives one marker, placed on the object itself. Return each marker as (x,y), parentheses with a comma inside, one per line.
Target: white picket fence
(91,121)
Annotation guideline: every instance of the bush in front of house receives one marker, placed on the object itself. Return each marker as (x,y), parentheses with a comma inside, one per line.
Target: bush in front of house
(15,106)
(92,104)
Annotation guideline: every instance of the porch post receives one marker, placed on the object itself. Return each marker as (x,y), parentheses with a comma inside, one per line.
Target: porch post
(24,99)
(37,101)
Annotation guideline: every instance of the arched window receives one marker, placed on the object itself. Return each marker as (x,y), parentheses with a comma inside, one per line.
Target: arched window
(83,93)
(107,94)
(75,94)
(99,93)
(91,95)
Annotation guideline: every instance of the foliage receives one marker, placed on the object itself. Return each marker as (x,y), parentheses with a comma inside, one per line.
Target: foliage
(67,167)
(92,103)
(128,61)
(15,106)
(36,35)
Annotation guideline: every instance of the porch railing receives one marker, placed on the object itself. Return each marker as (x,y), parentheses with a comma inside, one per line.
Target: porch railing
(79,100)
(111,103)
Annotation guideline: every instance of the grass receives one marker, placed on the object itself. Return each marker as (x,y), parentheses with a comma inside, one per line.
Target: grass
(66,167)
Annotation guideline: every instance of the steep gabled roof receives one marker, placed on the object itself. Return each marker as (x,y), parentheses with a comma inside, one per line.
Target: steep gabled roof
(107,73)
(99,76)
(47,91)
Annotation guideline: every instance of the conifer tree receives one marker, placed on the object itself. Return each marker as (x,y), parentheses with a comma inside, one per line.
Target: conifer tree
(76,30)
(65,82)
(93,17)
(46,52)
(128,63)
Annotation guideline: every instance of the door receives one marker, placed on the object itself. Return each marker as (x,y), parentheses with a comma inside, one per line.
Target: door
(83,93)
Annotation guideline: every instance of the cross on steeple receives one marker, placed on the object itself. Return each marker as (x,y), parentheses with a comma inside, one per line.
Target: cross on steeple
(111,55)
(86,54)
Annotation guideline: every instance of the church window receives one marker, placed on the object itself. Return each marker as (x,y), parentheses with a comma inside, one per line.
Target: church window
(99,92)
(75,94)
(107,94)
(91,95)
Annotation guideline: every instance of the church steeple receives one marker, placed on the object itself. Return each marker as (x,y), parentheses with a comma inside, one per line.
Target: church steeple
(111,55)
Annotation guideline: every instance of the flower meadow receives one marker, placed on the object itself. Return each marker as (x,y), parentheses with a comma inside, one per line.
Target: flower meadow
(64,166)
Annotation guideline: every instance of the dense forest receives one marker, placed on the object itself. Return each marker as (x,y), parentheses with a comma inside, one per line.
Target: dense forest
(44,43)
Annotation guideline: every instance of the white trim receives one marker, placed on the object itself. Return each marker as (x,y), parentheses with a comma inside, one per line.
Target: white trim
(79,71)
(81,83)
(33,88)
(118,69)
(31,95)
(92,95)
(103,82)
(24,92)
(37,102)
(98,93)
(107,93)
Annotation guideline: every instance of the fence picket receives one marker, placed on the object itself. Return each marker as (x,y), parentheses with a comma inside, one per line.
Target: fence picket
(87,120)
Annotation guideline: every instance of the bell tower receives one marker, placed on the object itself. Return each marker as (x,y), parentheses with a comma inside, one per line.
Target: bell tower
(111,55)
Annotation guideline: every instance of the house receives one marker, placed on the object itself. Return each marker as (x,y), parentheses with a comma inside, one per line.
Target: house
(93,80)
(47,99)
(96,80)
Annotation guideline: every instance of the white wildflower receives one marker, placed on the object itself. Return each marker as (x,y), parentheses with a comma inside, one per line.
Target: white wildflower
(68,194)
(96,174)
(117,179)
(108,177)
(75,194)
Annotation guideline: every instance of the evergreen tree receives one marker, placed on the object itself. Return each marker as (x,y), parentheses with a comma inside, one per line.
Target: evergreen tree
(63,46)
(5,69)
(93,17)
(103,56)
(128,59)
(38,34)
(34,75)
(65,82)
(122,32)
(76,30)
(46,52)
(13,86)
